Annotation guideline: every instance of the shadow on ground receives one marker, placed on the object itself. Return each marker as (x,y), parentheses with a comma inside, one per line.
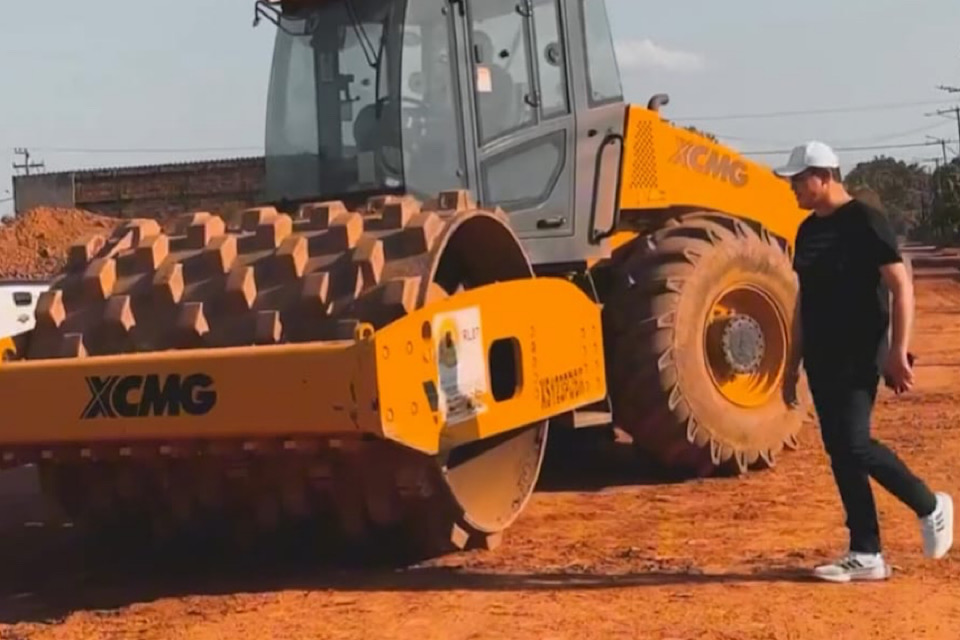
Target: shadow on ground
(590,460)
(51,586)
(48,572)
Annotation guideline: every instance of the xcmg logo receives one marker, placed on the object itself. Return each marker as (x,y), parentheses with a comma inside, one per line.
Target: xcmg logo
(710,162)
(149,396)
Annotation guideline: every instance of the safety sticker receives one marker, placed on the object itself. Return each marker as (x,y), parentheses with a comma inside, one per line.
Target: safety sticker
(461,365)
(484,80)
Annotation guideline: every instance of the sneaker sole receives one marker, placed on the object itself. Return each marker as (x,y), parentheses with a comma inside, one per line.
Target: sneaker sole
(948,516)
(865,577)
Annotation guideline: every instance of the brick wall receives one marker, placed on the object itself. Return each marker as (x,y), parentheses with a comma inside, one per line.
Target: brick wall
(220,187)
(157,191)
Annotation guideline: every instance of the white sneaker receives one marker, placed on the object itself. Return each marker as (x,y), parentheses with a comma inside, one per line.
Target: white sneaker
(937,528)
(855,566)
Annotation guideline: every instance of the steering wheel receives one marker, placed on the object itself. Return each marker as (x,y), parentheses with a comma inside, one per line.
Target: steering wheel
(416,128)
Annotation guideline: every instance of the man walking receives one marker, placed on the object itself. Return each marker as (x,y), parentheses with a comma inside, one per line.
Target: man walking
(847,260)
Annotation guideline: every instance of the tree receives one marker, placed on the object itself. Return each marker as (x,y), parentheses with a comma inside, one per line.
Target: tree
(869,196)
(900,190)
(942,223)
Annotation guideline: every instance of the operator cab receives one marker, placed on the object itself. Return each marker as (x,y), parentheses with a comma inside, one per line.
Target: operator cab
(361,101)
(518,102)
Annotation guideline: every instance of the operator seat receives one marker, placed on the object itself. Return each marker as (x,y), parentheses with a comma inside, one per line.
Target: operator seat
(376,130)
(498,106)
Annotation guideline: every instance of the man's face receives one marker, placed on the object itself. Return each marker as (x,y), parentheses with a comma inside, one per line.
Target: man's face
(810,188)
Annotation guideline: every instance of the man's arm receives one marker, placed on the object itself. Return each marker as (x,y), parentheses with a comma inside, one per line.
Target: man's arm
(795,355)
(885,254)
(795,351)
(901,310)
(791,376)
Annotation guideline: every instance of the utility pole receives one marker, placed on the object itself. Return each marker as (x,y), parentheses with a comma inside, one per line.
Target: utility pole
(943,145)
(27,165)
(955,110)
(930,193)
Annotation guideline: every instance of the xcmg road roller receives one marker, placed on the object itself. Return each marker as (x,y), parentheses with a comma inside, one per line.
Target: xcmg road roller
(467,238)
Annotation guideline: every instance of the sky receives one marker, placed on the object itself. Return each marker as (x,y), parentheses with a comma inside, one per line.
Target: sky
(84,83)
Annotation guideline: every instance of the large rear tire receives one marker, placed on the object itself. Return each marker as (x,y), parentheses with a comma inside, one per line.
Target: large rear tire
(697,327)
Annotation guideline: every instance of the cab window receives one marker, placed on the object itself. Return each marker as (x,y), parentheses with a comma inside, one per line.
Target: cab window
(603,75)
(502,68)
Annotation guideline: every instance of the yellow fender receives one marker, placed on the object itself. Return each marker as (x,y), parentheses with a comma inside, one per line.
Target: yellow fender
(7,349)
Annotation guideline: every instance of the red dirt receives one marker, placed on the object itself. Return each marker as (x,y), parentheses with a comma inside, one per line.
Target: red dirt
(35,245)
(713,559)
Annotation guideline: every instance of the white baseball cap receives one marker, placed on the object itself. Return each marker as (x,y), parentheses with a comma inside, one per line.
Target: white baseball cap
(806,156)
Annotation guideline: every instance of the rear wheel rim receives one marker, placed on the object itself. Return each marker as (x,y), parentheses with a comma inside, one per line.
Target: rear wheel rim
(745,340)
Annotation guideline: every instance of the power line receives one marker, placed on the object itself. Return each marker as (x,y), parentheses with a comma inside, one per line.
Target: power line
(892,136)
(808,112)
(260,148)
(145,150)
(911,145)
(864,139)
(761,115)
(933,159)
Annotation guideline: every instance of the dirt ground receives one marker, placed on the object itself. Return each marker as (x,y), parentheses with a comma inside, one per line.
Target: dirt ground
(35,245)
(611,557)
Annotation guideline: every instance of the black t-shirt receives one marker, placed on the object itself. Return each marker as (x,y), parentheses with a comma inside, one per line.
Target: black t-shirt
(844,302)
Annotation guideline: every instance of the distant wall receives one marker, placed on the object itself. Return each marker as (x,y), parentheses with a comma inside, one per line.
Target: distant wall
(50,189)
(221,186)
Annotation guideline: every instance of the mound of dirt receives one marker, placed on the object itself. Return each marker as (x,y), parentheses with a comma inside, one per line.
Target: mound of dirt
(34,246)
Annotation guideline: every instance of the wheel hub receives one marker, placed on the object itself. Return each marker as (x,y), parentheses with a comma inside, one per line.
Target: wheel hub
(743,344)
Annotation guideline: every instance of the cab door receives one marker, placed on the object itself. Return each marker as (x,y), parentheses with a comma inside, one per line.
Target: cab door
(518,104)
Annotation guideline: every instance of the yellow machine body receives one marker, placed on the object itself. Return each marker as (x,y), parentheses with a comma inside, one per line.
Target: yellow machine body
(7,348)
(424,381)
(666,167)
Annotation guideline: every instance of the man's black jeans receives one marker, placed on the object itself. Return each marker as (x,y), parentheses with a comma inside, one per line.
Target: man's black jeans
(845,414)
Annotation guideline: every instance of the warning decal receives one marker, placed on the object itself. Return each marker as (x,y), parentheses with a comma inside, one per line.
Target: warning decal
(461,366)
(484,80)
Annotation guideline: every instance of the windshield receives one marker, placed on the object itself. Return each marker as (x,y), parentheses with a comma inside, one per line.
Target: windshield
(347,108)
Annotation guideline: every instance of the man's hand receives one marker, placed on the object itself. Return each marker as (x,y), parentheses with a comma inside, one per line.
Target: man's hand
(898,371)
